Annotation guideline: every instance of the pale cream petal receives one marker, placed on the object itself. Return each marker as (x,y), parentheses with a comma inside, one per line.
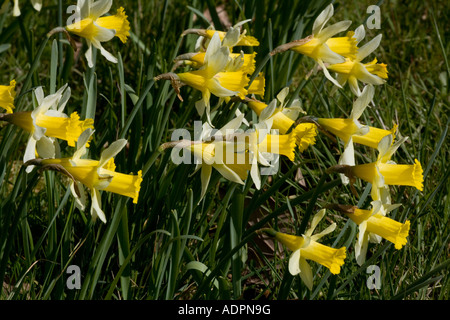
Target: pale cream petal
(89,54)
(324,232)
(219,91)
(254,173)
(205,177)
(322,19)
(216,56)
(83,139)
(329,56)
(306,273)
(112,151)
(294,263)
(45,147)
(268,111)
(96,206)
(37,4)
(80,201)
(231,37)
(327,74)
(368,48)
(315,221)
(330,31)
(384,145)
(362,102)
(100,7)
(347,158)
(281,96)
(228,174)
(30,152)
(360,34)
(39,94)
(16,9)
(361,248)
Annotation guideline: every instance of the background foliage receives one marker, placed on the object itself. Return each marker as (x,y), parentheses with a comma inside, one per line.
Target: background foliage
(169,247)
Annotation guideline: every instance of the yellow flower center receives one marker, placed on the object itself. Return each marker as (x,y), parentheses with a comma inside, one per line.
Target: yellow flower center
(84,28)
(305,134)
(235,81)
(389,229)
(7,95)
(125,184)
(345,46)
(257,86)
(329,257)
(68,129)
(403,174)
(118,22)
(342,68)
(379,69)
(279,144)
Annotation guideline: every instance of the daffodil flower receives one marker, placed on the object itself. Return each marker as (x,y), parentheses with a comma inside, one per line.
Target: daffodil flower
(375,226)
(97,29)
(306,247)
(231,38)
(211,78)
(351,131)
(283,119)
(320,45)
(348,128)
(264,143)
(353,70)
(385,172)
(47,122)
(213,149)
(7,95)
(97,175)
(196,60)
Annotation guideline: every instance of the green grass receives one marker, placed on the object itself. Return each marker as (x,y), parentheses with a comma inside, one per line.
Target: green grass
(169,246)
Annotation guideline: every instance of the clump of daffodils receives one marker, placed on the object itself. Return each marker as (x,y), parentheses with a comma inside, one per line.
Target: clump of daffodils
(241,149)
(217,70)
